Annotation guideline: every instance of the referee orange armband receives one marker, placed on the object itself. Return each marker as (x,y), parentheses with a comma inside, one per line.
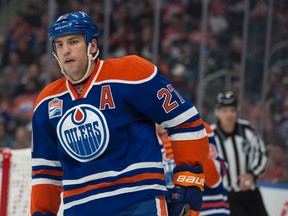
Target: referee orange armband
(188,179)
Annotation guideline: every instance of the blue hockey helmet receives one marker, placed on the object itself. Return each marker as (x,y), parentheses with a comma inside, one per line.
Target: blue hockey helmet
(74,23)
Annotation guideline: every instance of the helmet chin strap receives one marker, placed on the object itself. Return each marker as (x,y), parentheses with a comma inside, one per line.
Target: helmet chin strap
(87,73)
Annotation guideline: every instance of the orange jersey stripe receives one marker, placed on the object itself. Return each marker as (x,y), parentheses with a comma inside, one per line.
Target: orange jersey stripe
(48,172)
(136,178)
(193,152)
(129,68)
(215,205)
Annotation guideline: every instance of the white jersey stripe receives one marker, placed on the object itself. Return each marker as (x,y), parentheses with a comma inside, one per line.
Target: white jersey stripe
(189,135)
(158,207)
(40,181)
(214,197)
(43,162)
(180,118)
(215,211)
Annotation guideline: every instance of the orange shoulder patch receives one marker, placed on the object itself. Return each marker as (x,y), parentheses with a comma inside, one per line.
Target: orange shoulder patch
(128,69)
(53,88)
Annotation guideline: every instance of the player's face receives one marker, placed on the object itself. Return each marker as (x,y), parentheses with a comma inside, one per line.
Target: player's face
(72,53)
(227,116)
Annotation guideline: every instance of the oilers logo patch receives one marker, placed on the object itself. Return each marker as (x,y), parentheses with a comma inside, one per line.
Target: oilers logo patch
(83,132)
(55,108)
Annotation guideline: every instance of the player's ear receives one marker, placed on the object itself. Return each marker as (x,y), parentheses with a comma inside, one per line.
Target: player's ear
(93,46)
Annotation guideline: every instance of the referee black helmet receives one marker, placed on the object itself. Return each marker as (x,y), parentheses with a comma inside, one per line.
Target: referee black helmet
(226,99)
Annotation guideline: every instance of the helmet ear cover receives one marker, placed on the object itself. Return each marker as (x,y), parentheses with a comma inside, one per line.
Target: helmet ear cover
(74,23)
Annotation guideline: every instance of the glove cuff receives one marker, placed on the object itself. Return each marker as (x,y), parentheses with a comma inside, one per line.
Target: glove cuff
(188,179)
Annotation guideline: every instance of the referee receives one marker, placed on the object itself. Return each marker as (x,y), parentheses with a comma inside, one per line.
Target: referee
(245,153)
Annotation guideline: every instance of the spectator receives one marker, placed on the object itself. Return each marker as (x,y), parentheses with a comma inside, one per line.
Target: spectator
(234,54)
(22,137)
(259,9)
(6,115)
(13,73)
(6,140)
(23,105)
(146,36)
(180,79)
(135,7)
(32,15)
(24,50)
(172,8)
(235,15)
(169,56)
(194,9)
(39,45)
(282,121)
(3,52)
(218,23)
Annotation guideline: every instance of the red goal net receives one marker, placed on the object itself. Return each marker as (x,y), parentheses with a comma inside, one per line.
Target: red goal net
(15,178)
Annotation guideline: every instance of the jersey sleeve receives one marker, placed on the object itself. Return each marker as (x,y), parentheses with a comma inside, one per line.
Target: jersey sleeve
(156,98)
(46,168)
(259,154)
(215,168)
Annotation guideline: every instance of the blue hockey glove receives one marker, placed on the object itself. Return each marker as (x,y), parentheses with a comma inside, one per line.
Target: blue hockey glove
(187,193)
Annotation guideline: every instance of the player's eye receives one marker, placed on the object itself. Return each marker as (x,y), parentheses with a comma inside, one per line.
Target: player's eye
(58,45)
(72,42)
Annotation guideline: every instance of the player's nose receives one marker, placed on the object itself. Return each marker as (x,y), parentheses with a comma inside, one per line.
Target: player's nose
(66,49)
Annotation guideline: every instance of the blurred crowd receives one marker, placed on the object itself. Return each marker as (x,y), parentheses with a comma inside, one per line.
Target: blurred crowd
(26,64)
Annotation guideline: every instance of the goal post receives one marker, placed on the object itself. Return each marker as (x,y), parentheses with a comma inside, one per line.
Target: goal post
(6,155)
(15,182)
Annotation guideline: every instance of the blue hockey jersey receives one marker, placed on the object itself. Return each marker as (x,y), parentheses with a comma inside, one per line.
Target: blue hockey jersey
(99,146)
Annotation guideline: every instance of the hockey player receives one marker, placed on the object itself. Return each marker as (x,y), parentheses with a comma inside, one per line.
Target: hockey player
(94,133)
(215,201)
(245,152)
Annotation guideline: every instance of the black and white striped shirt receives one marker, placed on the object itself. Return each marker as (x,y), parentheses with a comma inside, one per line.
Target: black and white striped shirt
(243,150)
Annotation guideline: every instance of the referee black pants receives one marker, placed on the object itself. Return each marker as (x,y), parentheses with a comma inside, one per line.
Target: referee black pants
(248,203)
